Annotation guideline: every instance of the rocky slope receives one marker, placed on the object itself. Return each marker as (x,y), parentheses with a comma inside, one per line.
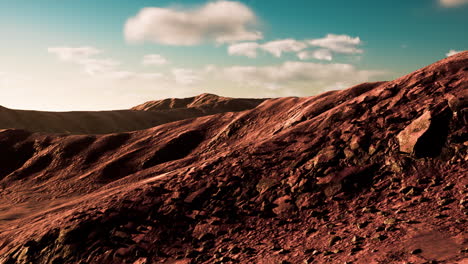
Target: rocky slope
(376,173)
(141,117)
(207,103)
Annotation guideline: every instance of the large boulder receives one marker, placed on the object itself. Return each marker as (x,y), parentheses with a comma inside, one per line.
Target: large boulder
(413,132)
(426,135)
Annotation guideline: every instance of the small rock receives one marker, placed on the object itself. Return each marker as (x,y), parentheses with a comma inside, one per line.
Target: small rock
(379,237)
(390,221)
(333,240)
(284,206)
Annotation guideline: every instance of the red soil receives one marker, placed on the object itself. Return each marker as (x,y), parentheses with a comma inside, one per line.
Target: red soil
(376,173)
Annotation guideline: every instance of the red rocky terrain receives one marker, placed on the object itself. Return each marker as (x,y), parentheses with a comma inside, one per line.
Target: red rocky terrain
(376,173)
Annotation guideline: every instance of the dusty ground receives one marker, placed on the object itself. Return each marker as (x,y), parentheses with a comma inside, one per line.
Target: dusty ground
(376,173)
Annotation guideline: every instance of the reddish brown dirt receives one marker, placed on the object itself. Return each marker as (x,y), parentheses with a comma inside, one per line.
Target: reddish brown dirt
(140,117)
(376,173)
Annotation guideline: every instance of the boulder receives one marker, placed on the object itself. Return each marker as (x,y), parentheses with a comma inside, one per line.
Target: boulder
(426,135)
(413,132)
(284,206)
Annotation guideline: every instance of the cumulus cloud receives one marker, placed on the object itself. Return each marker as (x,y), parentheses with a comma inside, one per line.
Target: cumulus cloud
(452,3)
(338,43)
(277,47)
(248,49)
(154,59)
(330,43)
(314,75)
(220,21)
(320,54)
(452,52)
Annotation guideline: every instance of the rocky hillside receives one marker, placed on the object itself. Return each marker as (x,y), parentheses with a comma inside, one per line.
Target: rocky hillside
(207,103)
(376,173)
(141,117)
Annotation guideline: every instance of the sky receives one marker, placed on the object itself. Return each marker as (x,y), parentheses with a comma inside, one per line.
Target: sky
(63,55)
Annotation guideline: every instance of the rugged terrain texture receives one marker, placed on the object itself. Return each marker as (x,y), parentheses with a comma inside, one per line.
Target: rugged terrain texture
(141,117)
(376,173)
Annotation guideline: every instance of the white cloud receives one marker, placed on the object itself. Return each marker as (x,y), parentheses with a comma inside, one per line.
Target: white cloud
(84,56)
(154,59)
(452,52)
(248,49)
(99,66)
(277,47)
(186,76)
(220,21)
(330,43)
(452,3)
(313,75)
(74,54)
(104,67)
(320,54)
(338,43)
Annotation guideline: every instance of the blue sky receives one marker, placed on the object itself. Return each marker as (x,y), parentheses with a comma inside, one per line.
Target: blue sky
(85,54)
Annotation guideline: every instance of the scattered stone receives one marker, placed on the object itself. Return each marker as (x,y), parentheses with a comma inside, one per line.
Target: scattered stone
(333,240)
(379,237)
(362,225)
(265,184)
(448,187)
(390,221)
(315,252)
(284,206)
(356,249)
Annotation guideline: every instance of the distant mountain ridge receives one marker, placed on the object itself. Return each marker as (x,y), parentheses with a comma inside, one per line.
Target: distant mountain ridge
(140,117)
(209,103)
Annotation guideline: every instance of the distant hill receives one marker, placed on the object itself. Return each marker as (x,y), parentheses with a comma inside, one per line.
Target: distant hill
(140,117)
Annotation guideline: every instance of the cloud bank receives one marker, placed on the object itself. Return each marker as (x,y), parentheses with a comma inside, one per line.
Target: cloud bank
(321,54)
(312,75)
(278,47)
(248,49)
(330,43)
(338,43)
(220,21)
